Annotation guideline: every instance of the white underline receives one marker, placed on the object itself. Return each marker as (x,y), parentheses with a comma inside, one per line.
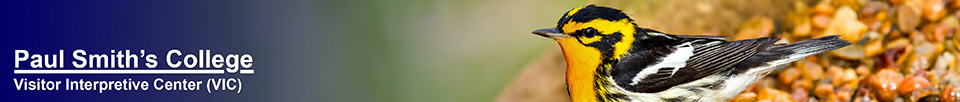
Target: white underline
(141,71)
(246,71)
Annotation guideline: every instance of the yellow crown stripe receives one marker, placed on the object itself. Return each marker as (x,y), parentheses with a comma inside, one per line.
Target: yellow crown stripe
(574,11)
(607,27)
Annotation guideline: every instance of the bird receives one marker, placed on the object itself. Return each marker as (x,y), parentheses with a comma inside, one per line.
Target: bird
(610,59)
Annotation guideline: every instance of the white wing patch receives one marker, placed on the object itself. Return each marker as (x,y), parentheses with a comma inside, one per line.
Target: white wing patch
(660,34)
(676,60)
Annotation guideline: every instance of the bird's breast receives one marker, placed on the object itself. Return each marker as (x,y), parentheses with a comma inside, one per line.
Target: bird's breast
(582,62)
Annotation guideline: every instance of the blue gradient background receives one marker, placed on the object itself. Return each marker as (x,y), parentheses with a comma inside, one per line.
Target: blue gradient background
(285,38)
(304,50)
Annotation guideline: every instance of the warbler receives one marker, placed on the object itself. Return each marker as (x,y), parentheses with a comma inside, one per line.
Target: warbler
(610,59)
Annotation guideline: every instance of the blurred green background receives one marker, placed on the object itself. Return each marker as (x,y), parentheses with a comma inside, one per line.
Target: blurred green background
(467,51)
(460,51)
(440,50)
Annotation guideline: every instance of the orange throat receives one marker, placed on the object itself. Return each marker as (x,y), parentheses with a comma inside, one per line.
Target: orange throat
(582,62)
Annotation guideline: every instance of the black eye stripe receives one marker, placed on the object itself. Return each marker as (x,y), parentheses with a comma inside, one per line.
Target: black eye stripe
(590,32)
(587,32)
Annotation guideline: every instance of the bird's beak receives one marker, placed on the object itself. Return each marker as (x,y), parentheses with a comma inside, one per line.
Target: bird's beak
(550,33)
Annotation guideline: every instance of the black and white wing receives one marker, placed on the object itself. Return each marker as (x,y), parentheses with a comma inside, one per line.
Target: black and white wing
(659,68)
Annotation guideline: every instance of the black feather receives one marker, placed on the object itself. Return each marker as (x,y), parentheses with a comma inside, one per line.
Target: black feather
(591,12)
(783,51)
(712,55)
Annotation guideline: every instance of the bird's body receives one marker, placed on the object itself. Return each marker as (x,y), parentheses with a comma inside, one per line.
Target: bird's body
(609,58)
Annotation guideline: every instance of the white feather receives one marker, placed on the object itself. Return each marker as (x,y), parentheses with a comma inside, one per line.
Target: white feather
(677,59)
(740,82)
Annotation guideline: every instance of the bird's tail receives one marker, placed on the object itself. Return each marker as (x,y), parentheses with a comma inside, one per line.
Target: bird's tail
(757,66)
(808,47)
(786,53)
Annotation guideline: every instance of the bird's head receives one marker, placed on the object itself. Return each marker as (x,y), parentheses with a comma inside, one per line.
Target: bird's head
(589,36)
(591,29)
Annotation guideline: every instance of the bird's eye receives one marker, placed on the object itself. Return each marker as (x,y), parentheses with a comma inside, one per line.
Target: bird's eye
(589,32)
